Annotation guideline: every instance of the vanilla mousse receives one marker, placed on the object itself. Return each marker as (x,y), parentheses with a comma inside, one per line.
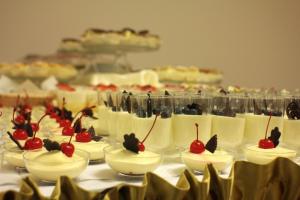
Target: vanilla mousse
(76,99)
(183,128)
(230,130)
(49,166)
(197,162)
(130,163)
(123,124)
(263,156)
(94,148)
(161,137)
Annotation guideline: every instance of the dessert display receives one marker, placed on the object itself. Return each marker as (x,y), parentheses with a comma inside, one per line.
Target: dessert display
(10,91)
(59,160)
(132,158)
(188,110)
(145,109)
(267,148)
(259,110)
(188,74)
(199,155)
(291,124)
(126,39)
(228,119)
(38,69)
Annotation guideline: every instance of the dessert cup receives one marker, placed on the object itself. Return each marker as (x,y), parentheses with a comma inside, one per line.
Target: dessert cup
(263,156)
(228,120)
(291,123)
(14,156)
(185,117)
(220,159)
(260,108)
(94,148)
(129,163)
(76,100)
(144,116)
(49,166)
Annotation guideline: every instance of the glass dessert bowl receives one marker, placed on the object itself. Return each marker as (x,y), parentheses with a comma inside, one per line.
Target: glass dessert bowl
(49,166)
(220,159)
(127,162)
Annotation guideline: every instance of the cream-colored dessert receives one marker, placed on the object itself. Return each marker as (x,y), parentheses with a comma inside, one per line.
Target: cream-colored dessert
(184,128)
(14,156)
(49,166)
(112,117)
(101,124)
(161,136)
(123,124)
(256,125)
(263,156)
(197,162)
(70,45)
(127,162)
(95,149)
(230,130)
(291,133)
(76,100)
(188,74)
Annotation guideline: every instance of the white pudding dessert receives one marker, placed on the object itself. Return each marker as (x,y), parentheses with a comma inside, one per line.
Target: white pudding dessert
(230,130)
(291,133)
(95,149)
(76,100)
(112,118)
(127,162)
(123,124)
(14,156)
(263,156)
(184,129)
(161,137)
(256,125)
(197,162)
(49,166)
(101,124)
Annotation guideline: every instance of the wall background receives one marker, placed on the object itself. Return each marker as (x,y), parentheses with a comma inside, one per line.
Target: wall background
(255,43)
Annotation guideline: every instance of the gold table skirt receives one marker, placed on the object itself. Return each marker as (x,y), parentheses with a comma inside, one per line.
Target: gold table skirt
(278,180)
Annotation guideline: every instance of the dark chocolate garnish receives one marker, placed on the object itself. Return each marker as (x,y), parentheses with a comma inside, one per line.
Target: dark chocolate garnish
(275,135)
(88,112)
(293,110)
(211,145)
(149,106)
(131,143)
(51,145)
(92,132)
(14,140)
(143,32)
(128,102)
(77,126)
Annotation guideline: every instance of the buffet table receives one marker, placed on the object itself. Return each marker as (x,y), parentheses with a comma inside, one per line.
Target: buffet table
(278,180)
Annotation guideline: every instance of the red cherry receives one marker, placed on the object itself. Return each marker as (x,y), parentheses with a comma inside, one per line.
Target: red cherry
(68,131)
(67,148)
(141,146)
(20,119)
(266,144)
(197,147)
(83,137)
(53,115)
(27,108)
(65,123)
(33,143)
(20,134)
(35,127)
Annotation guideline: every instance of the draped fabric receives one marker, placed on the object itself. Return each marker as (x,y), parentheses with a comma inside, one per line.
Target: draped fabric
(279,179)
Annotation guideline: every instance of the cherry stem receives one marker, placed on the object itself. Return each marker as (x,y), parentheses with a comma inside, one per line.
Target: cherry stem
(150,129)
(268,125)
(38,124)
(197,130)
(71,138)
(63,108)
